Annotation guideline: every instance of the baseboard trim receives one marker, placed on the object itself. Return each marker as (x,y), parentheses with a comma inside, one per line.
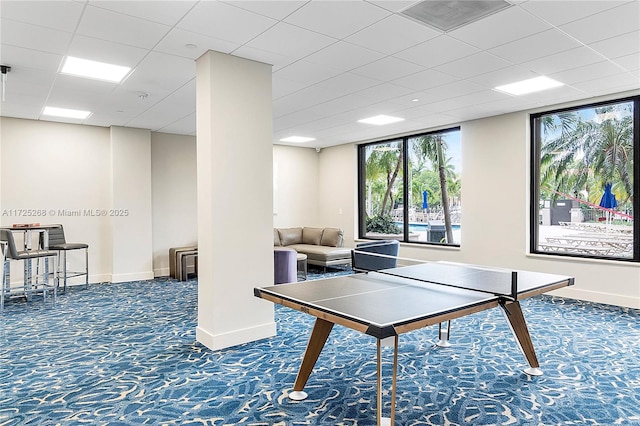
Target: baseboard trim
(237,337)
(599,297)
(137,276)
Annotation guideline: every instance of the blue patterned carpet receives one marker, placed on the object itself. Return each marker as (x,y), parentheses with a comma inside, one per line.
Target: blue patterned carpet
(125,354)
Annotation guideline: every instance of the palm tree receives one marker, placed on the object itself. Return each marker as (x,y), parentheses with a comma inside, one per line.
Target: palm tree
(586,154)
(432,147)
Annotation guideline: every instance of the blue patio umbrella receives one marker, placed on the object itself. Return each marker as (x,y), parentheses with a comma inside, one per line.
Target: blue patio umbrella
(425,202)
(608,200)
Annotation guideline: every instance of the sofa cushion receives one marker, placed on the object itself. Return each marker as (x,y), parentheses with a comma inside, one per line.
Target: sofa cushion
(276,238)
(311,236)
(322,253)
(332,237)
(290,236)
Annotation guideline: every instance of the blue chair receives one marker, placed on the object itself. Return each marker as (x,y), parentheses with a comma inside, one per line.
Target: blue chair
(375,255)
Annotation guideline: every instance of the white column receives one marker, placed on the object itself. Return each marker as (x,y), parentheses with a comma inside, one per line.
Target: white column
(235,204)
(129,210)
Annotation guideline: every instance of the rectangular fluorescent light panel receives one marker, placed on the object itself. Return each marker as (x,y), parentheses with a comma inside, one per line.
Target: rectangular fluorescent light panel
(531,85)
(67,113)
(92,69)
(380,120)
(297,139)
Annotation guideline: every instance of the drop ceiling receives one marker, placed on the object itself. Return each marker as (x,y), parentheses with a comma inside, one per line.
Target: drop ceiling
(334,62)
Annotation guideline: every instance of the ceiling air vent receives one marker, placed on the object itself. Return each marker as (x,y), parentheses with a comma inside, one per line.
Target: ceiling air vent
(448,15)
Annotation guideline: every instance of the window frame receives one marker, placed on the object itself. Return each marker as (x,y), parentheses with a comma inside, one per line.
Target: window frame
(361,181)
(535,152)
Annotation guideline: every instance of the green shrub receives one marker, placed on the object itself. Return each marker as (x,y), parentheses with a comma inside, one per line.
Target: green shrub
(382,224)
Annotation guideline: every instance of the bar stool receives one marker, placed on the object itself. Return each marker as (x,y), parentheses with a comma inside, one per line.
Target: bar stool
(4,289)
(31,282)
(58,243)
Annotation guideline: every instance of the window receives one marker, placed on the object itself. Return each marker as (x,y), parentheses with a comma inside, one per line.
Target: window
(586,165)
(409,188)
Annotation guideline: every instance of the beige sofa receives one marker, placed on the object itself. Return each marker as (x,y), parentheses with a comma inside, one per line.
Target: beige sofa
(323,246)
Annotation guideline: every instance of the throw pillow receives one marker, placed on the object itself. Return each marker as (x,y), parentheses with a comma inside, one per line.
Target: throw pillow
(332,237)
(311,236)
(290,236)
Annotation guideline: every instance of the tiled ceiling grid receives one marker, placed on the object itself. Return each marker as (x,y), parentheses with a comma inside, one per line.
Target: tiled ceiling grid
(334,62)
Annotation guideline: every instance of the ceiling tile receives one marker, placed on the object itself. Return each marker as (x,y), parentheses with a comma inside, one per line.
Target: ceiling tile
(513,23)
(388,68)
(392,35)
(348,83)
(162,12)
(610,84)
(28,83)
(19,57)
(587,72)
(313,47)
(563,61)
(472,65)
(629,62)
(164,111)
(383,92)
(302,99)
(289,40)
(224,21)
(337,19)
(452,90)
(306,72)
(610,23)
(106,51)
(119,28)
(62,16)
(393,5)
(272,9)
(160,74)
(183,126)
(558,12)
(276,60)
(424,80)
(437,51)
(281,87)
(34,37)
(536,46)
(614,47)
(192,45)
(344,56)
(476,99)
(503,76)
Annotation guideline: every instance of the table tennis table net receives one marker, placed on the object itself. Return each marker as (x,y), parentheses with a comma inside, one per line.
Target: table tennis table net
(486,280)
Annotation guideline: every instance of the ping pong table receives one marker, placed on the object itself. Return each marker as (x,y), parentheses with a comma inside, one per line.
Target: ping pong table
(387,303)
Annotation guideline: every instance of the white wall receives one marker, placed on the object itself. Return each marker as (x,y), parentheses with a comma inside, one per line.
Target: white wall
(296,200)
(66,171)
(174,196)
(63,170)
(338,197)
(130,209)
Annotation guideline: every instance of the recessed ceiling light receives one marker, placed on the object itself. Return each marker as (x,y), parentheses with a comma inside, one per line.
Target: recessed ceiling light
(67,113)
(380,120)
(531,85)
(297,139)
(93,69)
